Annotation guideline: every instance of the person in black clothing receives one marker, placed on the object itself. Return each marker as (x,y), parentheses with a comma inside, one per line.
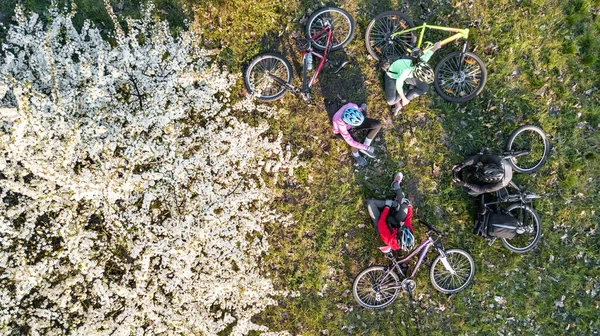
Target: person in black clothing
(492,171)
(399,204)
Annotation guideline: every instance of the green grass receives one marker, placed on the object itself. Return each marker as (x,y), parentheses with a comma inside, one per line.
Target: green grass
(542,58)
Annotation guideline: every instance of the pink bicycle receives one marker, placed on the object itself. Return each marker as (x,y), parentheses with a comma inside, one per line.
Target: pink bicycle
(270,75)
(451,271)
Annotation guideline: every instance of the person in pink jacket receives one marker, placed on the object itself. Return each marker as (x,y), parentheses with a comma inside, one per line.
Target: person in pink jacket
(350,116)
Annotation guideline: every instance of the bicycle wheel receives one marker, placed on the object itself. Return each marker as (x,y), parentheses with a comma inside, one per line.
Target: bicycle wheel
(376,287)
(533,144)
(457,82)
(529,233)
(266,77)
(339,20)
(464,269)
(378,37)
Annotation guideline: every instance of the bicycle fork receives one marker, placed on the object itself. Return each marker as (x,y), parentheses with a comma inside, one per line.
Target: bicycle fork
(445,262)
(462,57)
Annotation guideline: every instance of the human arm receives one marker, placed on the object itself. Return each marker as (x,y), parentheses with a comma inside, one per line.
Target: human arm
(483,188)
(488,158)
(470,161)
(343,131)
(400,86)
(400,70)
(429,52)
(408,219)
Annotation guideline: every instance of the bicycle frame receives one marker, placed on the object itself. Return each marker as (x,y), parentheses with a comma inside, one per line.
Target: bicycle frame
(520,197)
(423,248)
(307,85)
(460,33)
(329,31)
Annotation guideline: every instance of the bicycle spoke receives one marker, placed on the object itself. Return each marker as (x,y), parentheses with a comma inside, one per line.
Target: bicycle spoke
(337,22)
(462,272)
(267,76)
(459,83)
(376,288)
(381,41)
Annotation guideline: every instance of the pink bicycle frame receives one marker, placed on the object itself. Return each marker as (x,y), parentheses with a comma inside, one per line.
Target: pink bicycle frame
(423,248)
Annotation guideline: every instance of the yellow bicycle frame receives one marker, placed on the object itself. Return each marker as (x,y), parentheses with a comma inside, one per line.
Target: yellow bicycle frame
(460,33)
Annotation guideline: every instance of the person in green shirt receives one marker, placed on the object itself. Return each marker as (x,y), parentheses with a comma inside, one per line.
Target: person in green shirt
(413,71)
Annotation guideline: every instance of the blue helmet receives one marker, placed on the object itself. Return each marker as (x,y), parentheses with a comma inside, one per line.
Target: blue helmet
(353,116)
(408,240)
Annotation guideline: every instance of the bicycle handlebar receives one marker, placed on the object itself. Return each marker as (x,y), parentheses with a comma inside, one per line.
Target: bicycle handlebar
(431,228)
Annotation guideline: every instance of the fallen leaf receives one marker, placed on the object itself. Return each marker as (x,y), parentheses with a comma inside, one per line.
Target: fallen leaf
(436,170)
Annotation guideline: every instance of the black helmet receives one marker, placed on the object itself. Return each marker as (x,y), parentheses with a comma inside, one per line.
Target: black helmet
(490,173)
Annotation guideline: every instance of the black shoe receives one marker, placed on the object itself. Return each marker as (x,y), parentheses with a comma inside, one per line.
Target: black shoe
(361,161)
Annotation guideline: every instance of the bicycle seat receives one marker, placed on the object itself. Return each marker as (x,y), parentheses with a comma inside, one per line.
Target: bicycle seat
(385,249)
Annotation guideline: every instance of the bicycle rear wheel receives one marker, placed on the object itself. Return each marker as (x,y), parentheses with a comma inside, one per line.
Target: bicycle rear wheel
(376,287)
(530,147)
(339,20)
(266,76)
(463,266)
(378,37)
(457,82)
(528,233)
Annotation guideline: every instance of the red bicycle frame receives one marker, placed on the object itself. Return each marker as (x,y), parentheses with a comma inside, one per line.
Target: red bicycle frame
(329,31)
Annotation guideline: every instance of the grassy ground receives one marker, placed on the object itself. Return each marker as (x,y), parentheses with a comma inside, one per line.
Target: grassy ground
(543,63)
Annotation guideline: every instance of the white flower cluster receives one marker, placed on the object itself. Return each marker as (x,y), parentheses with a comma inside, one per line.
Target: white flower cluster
(133,201)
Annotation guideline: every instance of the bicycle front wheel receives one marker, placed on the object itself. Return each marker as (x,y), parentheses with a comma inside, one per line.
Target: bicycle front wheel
(376,287)
(530,147)
(458,82)
(338,20)
(267,76)
(528,232)
(378,37)
(455,279)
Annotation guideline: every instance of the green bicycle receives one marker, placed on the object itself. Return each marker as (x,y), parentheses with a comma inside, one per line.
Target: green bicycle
(459,77)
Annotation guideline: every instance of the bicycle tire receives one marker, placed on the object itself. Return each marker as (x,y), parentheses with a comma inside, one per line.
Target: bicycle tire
(275,62)
(453,256)
(450,83)
(371,295)
(377,39)
(509,243)
(512,146)
(313,27)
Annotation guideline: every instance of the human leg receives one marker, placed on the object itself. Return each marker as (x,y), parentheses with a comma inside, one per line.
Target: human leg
(361,161)
(373,125)
(391,95)
(373,207)
(418,89)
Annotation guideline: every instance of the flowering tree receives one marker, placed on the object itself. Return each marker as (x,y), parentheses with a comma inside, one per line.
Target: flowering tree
(133,200)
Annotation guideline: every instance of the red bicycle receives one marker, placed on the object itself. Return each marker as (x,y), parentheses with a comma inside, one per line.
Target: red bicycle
(270,75)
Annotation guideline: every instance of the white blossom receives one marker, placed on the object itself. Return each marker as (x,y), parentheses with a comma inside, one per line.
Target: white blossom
(134,200)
